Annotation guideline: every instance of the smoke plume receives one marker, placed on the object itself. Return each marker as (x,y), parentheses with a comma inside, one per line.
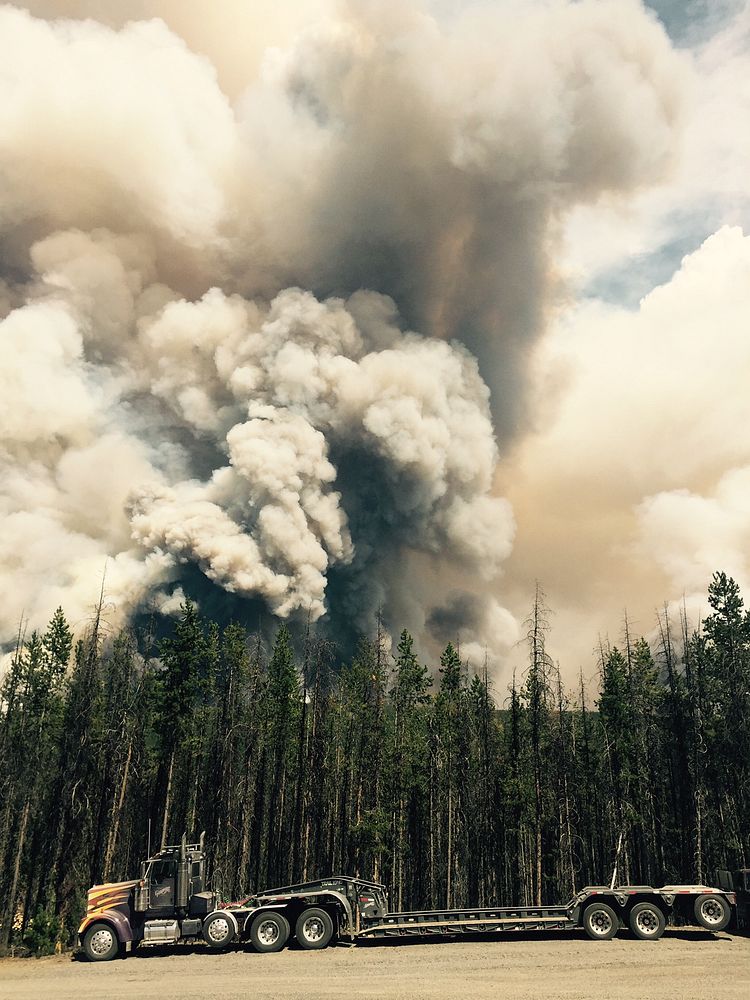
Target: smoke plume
(274,322)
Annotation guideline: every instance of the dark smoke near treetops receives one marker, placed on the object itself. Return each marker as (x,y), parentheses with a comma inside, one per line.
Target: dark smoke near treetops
(279,341)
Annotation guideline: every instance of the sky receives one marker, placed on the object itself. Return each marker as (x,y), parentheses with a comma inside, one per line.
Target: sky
(315,308)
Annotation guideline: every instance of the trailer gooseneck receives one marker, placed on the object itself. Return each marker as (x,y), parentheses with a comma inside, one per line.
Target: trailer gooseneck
(169,903)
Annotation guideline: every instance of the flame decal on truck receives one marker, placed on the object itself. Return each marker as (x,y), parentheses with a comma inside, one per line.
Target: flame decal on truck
(107,896)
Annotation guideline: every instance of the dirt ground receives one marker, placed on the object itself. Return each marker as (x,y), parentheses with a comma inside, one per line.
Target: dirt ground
(689,965)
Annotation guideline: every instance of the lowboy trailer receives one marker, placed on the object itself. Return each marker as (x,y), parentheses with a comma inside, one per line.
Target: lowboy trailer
(169,903)
(358,910)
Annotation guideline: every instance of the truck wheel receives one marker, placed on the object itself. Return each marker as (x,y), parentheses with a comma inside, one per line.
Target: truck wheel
(218,931)
(100,943)
(647,921)
(712,912)
(269,931)
(600,921)
(314,928)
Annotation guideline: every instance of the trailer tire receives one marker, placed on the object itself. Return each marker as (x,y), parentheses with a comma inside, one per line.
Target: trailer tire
(100,943)
(647,921)
(600,921)
(269,931)
(314,928)
(712,912)
(218,931)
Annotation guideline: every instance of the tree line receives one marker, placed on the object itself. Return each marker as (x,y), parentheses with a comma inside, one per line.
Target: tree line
(297,766)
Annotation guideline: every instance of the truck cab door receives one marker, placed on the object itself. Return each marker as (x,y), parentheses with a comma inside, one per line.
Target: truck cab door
(162,879)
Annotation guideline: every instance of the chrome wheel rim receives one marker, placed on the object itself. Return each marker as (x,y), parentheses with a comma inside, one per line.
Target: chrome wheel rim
(600,922)
(268,932)
(313,929)
(101,941)
(647,922)
(711,911)
(218,930)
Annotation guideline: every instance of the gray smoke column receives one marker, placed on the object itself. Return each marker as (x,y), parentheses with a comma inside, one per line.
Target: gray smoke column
(208,346)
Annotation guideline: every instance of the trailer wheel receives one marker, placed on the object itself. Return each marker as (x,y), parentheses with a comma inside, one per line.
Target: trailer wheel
(712,912)
(314,928)
(218,931)
(269,931)
(600,921)
(100,943)
(647,921)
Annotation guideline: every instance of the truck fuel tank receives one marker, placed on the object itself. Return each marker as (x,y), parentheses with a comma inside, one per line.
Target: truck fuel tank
(159,931)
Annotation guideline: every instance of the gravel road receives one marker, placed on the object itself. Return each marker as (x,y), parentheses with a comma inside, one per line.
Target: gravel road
(689,965)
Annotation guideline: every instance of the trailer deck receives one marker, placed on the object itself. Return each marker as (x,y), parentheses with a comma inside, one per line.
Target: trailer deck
(471,921)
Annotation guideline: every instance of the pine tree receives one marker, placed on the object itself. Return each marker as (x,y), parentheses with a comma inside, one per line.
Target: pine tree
(727,632)
(617,728)
(179,689)
(409,772)
(537,701)
(449,710)
(282,711)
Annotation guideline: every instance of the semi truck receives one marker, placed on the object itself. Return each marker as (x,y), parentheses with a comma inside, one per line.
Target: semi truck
(169,902)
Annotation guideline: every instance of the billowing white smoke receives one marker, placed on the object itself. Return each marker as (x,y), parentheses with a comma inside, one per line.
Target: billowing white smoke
(169,395)
(268,392)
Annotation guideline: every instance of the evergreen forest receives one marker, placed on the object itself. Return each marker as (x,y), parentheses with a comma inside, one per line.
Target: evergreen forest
(297,765)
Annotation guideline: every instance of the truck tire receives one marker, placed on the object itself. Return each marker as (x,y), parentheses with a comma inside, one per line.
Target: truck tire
(600,921)
(100,943)
(218,931)
(712,912)
(314,928)
(647,921)
(269,931)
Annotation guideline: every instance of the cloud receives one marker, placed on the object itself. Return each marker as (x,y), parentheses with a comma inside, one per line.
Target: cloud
(440,159)
(692,535)
(233,35)
(464,617)
(274,391)
(131,125)
(633,488)
(614,245)
(291,306)
(671,373)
